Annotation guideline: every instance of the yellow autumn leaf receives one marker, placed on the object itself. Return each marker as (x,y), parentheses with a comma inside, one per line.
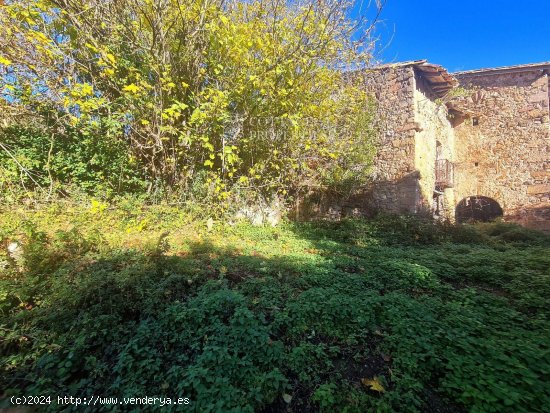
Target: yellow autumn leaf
(373,384)
(4,61)
(41,37)
(131,88)
(111,58)
(91,47)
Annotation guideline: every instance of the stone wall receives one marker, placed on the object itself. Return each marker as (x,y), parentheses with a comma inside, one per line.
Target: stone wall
(394,186)
(395,179)
(434,130)
(496,134)
(410,122)
(503,145)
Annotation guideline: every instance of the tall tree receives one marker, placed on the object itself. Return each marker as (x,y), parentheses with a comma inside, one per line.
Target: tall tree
(249,93)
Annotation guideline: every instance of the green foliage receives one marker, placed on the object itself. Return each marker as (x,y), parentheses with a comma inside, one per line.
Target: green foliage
(89,159)
(241,318)
(170,95)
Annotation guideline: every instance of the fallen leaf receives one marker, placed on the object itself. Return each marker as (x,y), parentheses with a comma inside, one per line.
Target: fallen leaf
(373,384)
(287,398)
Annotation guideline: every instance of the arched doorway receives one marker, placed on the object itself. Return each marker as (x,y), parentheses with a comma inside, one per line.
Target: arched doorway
(477,208)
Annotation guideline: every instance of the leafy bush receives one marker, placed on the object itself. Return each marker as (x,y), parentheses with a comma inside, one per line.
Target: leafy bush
(303,316)
(90,159)
(231,105)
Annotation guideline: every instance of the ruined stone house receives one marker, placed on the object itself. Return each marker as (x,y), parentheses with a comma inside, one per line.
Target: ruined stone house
(472,144)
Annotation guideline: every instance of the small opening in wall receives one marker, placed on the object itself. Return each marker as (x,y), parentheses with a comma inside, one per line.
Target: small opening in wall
(475,121)
(476,163)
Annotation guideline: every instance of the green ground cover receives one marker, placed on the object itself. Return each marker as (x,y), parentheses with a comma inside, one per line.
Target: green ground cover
(393,314)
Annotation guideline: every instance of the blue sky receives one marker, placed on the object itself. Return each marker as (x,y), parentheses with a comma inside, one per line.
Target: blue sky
(466,34)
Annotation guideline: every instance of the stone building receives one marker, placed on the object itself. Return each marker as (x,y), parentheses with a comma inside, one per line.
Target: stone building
(472,144)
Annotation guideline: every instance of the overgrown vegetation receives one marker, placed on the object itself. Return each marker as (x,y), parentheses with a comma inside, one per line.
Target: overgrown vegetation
(226,99)
(392,314)
(221,108)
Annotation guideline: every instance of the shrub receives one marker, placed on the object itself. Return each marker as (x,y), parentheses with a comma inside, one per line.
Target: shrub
(299,317)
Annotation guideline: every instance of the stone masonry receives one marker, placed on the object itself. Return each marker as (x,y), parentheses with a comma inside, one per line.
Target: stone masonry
(448,142)
(503,146)
(395,175)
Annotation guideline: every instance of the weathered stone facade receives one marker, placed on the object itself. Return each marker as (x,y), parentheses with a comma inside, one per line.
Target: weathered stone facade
(503,146)
(492,141)
(395,177)
(470,145)
(415,133)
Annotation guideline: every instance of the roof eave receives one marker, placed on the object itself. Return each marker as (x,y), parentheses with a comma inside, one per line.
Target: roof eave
(438,78)
(544,67)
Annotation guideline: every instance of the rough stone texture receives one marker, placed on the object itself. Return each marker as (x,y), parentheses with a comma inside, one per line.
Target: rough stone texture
(435,131)
(261,213)
(395,178)
(412,122)
(506,155)
(496,135)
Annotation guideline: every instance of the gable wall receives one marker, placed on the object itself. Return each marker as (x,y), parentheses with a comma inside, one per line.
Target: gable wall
(510,145)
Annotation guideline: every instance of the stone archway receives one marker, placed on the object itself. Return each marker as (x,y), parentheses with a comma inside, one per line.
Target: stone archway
(477,208)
